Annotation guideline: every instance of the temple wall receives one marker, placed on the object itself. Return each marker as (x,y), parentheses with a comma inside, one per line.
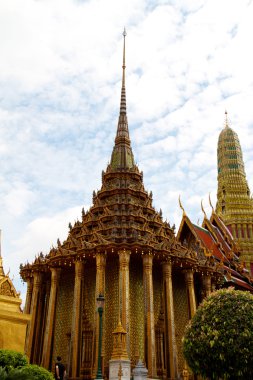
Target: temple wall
(89,296)
(64,306)
(157,284)
(137,315)
(181,313)
(111,316)
(13,324)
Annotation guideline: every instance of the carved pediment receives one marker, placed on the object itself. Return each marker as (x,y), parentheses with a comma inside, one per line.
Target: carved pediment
(87,245)
(7,288)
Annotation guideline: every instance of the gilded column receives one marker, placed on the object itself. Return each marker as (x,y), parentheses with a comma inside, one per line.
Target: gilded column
(191,292)
(100,289)
(234,230)
(239,230)
(207,285)
(124,258)
(149,311)
(170,340)
(38,334)
(55,272)
(76,321)
(29,349)
(245,231)
(250,231)
(28,295)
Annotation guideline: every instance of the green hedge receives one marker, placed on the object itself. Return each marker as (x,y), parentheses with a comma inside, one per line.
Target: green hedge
(37,373)
(11,358)
(14,366)
(218,342)
(14,374)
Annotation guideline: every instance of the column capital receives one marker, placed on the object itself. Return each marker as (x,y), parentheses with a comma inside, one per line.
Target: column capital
(167,268)
(55,274)
(147,261)
(100,260)
(124,257)
(207,283)
(79,268)
(29,284)
(37,279)
(189,276)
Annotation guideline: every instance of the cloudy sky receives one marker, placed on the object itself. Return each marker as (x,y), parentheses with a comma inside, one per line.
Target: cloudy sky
(60,77)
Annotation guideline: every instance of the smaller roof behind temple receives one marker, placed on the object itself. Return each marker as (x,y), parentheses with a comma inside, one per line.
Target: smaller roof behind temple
(6,286)
(214,240)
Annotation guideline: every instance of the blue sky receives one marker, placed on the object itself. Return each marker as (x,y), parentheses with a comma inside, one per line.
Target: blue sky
(60,77)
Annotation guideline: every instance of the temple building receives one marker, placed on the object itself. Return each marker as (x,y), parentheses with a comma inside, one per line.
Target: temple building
(13,323)
(214,237)
(234,202)
(151,280)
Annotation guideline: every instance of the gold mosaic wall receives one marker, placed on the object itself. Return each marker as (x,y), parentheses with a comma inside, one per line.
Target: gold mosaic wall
(157,284)
(89,288)
(181,313)
(137,315)
(111,305)
(64,305)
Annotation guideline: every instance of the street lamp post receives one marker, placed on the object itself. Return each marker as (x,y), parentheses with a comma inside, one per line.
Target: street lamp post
(100,306)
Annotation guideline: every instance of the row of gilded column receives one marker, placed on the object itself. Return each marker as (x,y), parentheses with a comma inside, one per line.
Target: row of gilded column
(124,259)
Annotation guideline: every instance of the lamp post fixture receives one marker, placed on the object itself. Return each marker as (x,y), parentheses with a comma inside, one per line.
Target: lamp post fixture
(100,306)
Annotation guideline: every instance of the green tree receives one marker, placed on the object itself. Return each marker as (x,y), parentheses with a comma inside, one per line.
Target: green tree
(14,366)
(37,372)
(14,374)
(12,359)
(218,342)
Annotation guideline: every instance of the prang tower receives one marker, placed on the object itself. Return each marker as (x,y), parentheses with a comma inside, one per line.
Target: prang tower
(234,203)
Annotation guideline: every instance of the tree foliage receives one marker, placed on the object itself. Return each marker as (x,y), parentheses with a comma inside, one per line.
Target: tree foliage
(37,372)
(14,366)
(218,341)
(13,374)
(13,359)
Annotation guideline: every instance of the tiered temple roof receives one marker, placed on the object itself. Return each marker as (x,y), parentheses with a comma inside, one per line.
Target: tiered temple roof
(218,243)
(121,216)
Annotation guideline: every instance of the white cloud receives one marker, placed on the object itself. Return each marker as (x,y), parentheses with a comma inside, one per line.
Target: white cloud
(60,78)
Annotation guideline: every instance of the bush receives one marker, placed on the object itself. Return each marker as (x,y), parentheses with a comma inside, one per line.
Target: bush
(13,374)
(14,366)
(37,373)
(11,358)
(218,341)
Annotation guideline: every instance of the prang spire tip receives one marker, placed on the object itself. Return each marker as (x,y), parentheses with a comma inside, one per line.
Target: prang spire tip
(226,118)
(124,57)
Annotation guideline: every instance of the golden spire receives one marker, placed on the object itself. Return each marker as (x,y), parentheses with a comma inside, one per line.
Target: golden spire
(123,109)
(180,205)
(226,123)
(234,203)
(122,155)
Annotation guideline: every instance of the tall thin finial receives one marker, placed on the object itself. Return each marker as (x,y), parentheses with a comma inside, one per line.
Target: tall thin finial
(123,90)
(210,202)
(122,156)
(226,119)
(124,57)
(202,208)
(180,205)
